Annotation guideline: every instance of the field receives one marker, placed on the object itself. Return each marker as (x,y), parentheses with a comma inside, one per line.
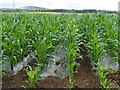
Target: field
(45,50)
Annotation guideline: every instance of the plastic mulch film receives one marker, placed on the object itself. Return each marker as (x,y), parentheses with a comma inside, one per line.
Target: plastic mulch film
(19,66)
(57,64)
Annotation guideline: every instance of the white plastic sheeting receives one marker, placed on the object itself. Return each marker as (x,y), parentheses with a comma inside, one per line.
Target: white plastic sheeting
(106,62)
(56,70)
(7,68)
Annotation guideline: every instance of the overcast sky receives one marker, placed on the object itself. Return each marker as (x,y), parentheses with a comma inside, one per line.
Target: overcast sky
(63,4)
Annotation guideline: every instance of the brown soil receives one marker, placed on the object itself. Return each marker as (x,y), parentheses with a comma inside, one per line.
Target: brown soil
(18,80)
(115,79)
(85,78)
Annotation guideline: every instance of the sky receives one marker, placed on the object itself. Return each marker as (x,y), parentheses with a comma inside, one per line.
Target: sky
(63,4)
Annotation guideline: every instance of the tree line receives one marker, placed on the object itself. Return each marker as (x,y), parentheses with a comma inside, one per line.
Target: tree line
(57,10)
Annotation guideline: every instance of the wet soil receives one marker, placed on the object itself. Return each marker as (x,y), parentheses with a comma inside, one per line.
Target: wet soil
(84,78)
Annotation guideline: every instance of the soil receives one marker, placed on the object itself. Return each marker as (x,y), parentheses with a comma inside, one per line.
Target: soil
(115,79)
(84,78)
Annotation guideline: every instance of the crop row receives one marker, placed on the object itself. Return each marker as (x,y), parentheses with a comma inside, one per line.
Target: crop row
(41,33)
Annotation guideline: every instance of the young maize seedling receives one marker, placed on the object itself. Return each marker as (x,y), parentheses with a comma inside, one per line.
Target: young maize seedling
(33,75)
(102,77)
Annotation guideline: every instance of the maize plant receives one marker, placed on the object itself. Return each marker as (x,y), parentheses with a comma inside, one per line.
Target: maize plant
(41,33)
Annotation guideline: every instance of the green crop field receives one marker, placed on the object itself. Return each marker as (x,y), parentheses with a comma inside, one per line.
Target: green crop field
(41,33)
